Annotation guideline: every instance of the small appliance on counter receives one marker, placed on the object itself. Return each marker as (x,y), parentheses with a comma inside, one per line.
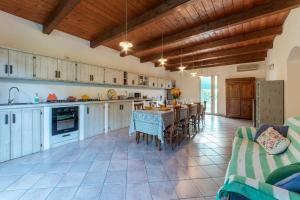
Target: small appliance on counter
(112,94)
(51,97)
(135,95)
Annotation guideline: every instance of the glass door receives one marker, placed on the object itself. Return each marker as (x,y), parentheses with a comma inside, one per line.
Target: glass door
(209,93)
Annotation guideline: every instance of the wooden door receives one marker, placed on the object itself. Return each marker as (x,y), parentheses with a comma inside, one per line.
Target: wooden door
(239,95)
(4,136)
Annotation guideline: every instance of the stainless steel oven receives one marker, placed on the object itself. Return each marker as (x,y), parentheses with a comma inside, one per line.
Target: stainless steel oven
(64,120)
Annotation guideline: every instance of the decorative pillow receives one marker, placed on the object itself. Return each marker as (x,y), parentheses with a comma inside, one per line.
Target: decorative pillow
(283,130)
(287,177)
(273,142)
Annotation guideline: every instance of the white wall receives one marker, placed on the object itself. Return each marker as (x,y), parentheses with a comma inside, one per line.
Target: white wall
(191,86)
(27,36)
(279,58)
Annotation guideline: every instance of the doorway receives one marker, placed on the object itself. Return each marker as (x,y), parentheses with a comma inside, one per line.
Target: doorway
(209,93)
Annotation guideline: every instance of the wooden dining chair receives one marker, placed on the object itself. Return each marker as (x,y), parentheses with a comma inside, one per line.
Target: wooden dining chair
(172,131)
(199,114)
(191,119)
(139,106)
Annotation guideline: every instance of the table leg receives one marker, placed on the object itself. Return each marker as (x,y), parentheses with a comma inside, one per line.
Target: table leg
(159,145)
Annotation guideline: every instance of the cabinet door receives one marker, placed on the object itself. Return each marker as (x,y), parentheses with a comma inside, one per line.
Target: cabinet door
(40,67)
(161,83)
(84,73)
(114,116)
(169,84)
(3,62)
(63,67)
(70,70)
(52,68)
(133,79)
(152,82)
(31,130)
(99,75)
(126,114)
(98,119)
(16,134)
(14,62)
(26,69)
(4,136)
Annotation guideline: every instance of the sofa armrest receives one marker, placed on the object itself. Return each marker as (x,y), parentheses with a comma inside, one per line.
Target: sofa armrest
(246,132)
(252,189)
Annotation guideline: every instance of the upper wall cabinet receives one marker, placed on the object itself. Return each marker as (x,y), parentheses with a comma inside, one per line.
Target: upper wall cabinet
(115,77)
(161,83)
(3,62)
(17,64)
(152,82)
(132,79)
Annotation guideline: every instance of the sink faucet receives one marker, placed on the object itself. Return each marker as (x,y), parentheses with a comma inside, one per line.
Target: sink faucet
(11,100)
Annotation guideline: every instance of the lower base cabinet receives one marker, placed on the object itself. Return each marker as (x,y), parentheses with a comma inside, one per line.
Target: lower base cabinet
(20,132)
(94,120)
(119,114)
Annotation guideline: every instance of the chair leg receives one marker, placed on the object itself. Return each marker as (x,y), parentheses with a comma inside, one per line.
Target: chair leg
(159,145)
(137,137)
(147,138)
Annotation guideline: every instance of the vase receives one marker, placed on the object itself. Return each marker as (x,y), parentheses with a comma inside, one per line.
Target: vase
(174,102)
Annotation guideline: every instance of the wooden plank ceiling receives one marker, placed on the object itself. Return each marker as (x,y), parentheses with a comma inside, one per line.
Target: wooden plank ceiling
(198,33)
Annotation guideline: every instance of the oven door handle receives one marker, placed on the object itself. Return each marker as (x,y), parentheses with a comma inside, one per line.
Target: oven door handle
(66,135)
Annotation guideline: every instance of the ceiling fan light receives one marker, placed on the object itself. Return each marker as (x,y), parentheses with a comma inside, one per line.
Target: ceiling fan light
(181,68)
(193,74)
(125,45)
(162,61)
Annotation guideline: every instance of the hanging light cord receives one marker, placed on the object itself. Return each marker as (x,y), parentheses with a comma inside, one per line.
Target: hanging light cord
(126,20)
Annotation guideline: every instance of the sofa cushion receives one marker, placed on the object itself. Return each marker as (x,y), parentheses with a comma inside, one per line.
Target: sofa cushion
(273,142)
(287,177)
(283,130)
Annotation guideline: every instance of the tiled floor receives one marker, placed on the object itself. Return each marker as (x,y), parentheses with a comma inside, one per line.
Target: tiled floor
(114,167)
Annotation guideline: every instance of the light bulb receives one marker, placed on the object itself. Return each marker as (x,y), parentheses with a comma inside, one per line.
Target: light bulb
(181,68)
(125,45)
(162,61)
(193,74)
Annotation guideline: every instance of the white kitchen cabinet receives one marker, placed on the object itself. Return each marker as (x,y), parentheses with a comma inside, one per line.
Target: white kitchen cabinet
(160,83)
(99,75)
(91,74)
(4,136)
(152,82)
(40,67)
(66,70)
(20,64)
(24,128)
(53,73)
(119,115)
(115,77)
(169,84)
(94,120)
(3,62)
(132,79)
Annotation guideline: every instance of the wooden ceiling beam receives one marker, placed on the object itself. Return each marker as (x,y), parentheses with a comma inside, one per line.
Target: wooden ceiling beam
(271,8)
(235,58)
(60,12)
(137,22)
(248,60)
(219,54)
(218,43)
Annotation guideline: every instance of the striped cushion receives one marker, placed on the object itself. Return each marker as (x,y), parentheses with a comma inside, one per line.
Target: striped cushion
(253,164)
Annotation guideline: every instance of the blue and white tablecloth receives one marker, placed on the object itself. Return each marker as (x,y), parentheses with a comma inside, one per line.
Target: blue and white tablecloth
(152,122)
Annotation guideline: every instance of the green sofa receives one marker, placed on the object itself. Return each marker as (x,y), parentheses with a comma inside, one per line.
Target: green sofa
(250,166)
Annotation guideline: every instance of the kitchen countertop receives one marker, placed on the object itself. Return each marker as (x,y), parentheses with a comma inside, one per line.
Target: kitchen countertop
(47,104)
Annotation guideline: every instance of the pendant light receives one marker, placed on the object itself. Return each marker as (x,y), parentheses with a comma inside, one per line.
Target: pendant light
(126,45)
(193,74)
(181,67)
(162,60)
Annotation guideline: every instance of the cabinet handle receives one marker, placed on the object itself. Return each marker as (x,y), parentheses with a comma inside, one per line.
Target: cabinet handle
(6,69)
(66,135)
(10,69)
(13,118)
(87,110)
(55,74)
(6,119)
(34,66)
(58,74)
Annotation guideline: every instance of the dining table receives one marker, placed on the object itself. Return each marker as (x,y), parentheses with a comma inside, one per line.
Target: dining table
(153,121)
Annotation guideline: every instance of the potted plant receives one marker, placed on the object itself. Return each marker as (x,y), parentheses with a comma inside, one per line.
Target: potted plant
(176,93)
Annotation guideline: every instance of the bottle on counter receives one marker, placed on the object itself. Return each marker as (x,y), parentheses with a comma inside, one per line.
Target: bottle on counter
(36,98)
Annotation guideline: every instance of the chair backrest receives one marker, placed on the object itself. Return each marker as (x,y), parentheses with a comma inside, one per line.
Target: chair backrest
(138,106)
(176,110)
(199,108)
(204,106)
